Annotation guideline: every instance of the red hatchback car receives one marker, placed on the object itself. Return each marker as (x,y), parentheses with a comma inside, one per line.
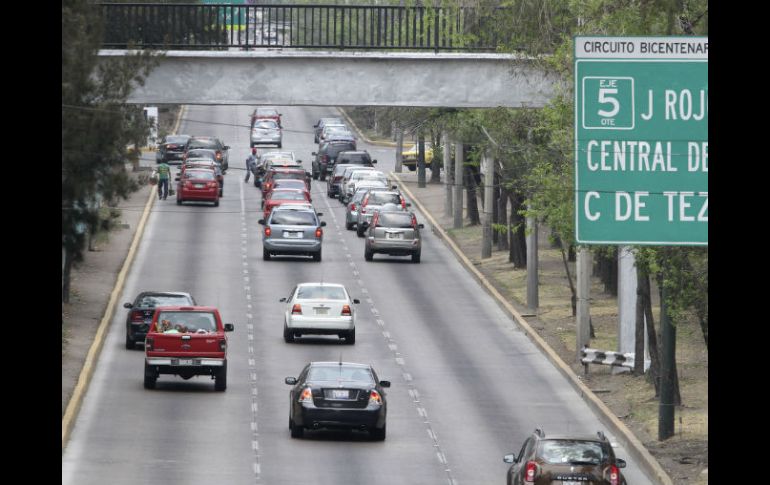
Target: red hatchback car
(282,173)
(284,196)
(198,185)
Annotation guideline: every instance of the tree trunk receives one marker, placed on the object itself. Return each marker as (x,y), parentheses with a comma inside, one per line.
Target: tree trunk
(502,202)
(643,294)
(438,159)
(65,288)
(607,270)
(471,181)
(569,279)
(518,249)
(496,207)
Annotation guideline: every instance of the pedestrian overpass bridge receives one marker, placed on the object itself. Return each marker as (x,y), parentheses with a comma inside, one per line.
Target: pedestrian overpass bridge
(324,55)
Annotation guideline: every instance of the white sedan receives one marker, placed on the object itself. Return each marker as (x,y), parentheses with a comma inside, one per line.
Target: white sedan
(320,309)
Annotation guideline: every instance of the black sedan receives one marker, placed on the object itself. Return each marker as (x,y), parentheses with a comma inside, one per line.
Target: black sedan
(337,395)
(143,308)
(171,148)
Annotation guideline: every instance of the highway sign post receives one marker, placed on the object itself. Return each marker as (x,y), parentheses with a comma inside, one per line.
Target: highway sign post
(641,140)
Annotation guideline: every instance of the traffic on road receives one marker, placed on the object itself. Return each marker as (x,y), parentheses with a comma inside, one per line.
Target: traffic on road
(310,271)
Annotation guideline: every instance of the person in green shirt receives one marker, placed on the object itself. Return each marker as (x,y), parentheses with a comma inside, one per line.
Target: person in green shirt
(164,173)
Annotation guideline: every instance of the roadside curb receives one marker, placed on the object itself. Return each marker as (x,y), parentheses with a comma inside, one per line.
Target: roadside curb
(84,379)
(73,407)
(361,133)
(635,448)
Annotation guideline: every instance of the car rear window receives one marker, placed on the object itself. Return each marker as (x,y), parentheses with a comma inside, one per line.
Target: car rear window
(288,175)
(201,153)
(294,218)
(568,451)
(380,198)
(199,174)
(357,159)
(186,322)
(395,219)
(321,293)
(339,372)
(177,139)
(287,195)
(334,148)
(269,124)
(202,144)
(152,301)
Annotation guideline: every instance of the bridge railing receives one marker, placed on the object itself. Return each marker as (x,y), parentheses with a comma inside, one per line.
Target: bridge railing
(224,26)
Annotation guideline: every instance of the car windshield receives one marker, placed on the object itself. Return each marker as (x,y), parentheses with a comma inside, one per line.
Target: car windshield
(201,152)
(334,148)
(177,139)
(356,159)
(338,372)
(287,195)
(321,293)
(289,184)
(293,218)
(152,301)
(199,174)
(569,451)
(203,144)
(186,322)
(380,198)
(395,219)
(267,124)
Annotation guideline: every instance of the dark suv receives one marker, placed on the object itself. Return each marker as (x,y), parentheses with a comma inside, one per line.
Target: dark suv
(324,160)
(143,308)
(348,159)
(565,459)
(211,143)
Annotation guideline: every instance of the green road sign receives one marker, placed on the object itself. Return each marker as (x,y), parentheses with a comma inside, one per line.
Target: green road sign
(641,140)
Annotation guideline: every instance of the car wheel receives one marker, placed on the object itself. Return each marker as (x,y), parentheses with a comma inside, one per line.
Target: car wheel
(315,175)
(221,192)
(266,255)
(416,257)
(129,343)
(322,176)
(368,255)
(220,380)
(149,377)
(280,145)
(288,336)
(378,434)
(256,184)
(349,225)
(216,203)
(296,431)
(317,256)
(359,230)
(411,168)
(350,338)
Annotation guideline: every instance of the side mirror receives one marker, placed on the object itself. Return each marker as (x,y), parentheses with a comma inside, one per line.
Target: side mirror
(290,381)
(323,223)
(314,154)
(409,204)
(385,383)
(283,299)
(365,224)
(176,179)
(509,458)
(394,187)
(261,221)
(299,161)
(421,226)
(128,305)
(319,214)
(374,161)
(226,147)
(620,463)
(229,327)
(356,301)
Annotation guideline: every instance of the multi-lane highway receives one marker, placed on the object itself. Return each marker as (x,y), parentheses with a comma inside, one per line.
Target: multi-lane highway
(467,385)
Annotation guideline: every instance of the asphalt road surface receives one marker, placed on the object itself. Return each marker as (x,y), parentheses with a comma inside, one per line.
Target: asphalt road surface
(468,386)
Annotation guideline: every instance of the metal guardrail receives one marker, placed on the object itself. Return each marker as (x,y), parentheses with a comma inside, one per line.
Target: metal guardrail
(594,356)
(222,26)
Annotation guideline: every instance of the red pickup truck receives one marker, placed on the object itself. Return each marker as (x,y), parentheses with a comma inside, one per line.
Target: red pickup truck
(186,341)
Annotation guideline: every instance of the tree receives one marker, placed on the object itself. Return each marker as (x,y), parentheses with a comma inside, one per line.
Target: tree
(97,125)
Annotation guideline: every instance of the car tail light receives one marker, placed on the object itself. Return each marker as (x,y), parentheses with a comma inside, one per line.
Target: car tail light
(149,343)
(319,232)
(219,155)
(188,184)
(296,309)
(363,210)
(346,310)
(222,345)
(374,397)
(267,186)
(403,203)
(213,185)
(268,231)
(306,395)
(530,472)
(352,206)
(414,221)
(137,316)
(614,475)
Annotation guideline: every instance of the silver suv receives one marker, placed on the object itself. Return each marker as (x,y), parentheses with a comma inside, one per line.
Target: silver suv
(393,232)
(373,201)
(292,230)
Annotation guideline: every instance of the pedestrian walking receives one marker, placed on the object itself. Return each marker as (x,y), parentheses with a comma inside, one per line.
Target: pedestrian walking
(164,173)
(251,164)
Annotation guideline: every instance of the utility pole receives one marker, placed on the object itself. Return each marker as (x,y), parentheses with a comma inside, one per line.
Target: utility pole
(458,186)
(399,148)
(583,330)
(421,159)
(447,174)
(533,295)
(489,182)
(668,343)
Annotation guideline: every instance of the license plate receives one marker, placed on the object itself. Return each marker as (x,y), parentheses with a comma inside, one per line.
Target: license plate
(339,394)
(185,362)
(322,311)
(199,186)
(395,235)
(292,235)
(572,483)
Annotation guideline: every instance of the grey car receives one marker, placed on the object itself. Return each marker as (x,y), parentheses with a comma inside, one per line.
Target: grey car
(322,122)
(373,201)
(294,231)
(266,132)
(351,209)
(393,232)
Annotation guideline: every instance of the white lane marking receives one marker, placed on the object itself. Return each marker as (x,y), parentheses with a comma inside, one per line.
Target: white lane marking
(254,445)
(251,349)
(386,334)
(252,362)
(400,361)
(250,337)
